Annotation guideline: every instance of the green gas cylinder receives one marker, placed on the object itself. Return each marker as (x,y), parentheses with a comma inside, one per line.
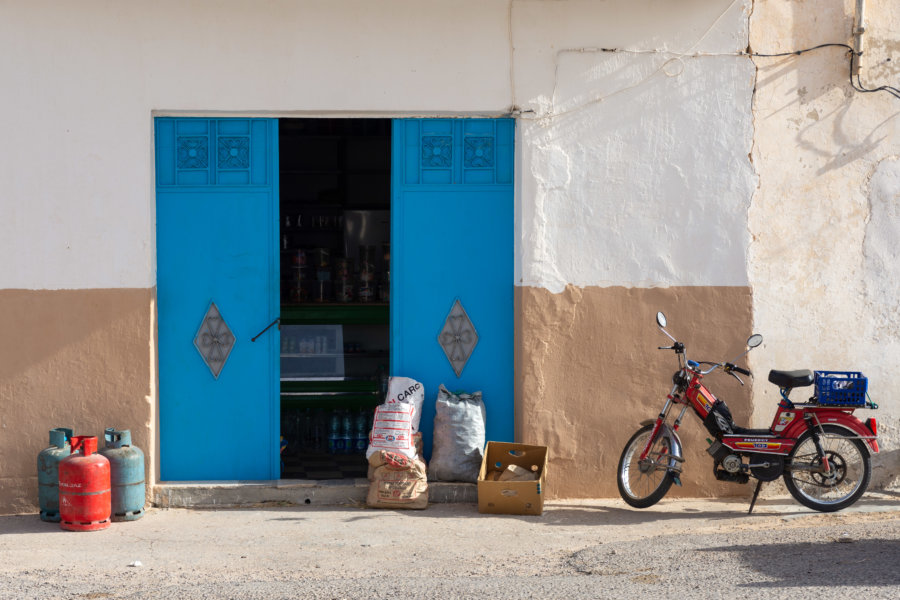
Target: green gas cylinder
(48,473)
(126,469)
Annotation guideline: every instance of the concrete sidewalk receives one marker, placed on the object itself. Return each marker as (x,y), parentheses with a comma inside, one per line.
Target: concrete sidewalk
(326,492)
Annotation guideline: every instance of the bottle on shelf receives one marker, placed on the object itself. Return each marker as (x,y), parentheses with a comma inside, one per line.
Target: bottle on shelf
(360,435)
(334,432)
(343,289)
(346,445)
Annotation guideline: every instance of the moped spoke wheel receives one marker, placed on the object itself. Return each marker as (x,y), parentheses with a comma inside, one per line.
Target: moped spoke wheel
(644,483)
(842,484)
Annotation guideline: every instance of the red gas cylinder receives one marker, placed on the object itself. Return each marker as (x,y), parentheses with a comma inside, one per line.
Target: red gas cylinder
(84,487)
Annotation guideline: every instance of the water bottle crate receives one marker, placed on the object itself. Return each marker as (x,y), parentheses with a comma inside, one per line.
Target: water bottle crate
(841,388)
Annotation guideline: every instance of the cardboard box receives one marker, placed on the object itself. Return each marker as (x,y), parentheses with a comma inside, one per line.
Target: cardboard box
(512,497)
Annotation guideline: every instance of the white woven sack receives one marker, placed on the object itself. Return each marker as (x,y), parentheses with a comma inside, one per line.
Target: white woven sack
(410,391)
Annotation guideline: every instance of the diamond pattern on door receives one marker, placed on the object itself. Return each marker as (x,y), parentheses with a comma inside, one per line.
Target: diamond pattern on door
(214,340)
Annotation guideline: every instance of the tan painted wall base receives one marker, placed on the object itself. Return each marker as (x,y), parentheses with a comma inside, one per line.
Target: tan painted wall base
(69,358)
(588,371)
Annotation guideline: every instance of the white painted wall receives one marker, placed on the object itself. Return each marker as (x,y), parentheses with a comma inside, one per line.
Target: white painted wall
(635,163)
(82,80)
(648,187)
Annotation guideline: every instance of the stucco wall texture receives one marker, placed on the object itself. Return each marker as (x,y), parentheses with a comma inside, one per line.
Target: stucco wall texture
(589,371)
(70,358)
(824,265)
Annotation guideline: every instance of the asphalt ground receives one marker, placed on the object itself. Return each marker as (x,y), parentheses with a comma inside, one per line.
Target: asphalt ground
(576,549)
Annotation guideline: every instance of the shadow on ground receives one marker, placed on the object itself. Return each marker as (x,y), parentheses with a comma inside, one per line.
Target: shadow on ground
(20,524)
(838,562)
(572,513)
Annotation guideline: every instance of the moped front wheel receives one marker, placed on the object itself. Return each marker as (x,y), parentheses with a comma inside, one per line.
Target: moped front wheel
(845,481)
(644,483)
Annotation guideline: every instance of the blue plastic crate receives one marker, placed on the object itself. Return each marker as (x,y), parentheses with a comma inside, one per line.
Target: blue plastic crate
(841,388)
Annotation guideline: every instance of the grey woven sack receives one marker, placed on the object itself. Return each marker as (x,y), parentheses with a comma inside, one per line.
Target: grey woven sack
(459,424)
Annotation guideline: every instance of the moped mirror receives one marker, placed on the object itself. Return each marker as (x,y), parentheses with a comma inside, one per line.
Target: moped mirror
(661,319)
(754,340)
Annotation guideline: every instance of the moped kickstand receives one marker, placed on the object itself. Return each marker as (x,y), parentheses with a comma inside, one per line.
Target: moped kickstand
(755,495)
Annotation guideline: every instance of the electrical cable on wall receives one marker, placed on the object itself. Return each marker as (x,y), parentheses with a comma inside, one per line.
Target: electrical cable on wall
(858,85)
(855,55)
(677,56)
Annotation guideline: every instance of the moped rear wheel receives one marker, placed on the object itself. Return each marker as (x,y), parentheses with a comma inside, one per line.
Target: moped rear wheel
(847,479)
(644,483)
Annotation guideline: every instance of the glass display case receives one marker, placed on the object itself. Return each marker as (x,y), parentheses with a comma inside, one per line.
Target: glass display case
(312,353)
(334,354)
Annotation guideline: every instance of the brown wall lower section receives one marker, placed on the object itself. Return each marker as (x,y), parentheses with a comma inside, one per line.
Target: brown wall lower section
(69,358)
(588,371)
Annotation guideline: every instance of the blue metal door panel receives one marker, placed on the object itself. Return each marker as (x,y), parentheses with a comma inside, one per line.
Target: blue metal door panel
(452,238)
(217,243)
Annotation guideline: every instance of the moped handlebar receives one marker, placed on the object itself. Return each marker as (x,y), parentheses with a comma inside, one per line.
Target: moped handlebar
(731,367)
(728,367)
(678,347)
(752,342)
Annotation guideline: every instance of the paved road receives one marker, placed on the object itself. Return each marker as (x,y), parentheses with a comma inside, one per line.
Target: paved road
(581,549)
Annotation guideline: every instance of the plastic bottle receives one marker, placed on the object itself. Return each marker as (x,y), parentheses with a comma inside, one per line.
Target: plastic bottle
(346,445)
(334,432)
(360,437)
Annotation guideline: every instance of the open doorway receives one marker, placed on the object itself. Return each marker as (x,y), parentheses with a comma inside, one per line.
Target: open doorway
(334,237)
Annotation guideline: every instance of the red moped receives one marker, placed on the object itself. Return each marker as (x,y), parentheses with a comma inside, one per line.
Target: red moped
(819,447)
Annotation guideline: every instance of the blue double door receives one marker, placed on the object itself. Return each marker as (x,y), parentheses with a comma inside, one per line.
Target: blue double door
(218,281)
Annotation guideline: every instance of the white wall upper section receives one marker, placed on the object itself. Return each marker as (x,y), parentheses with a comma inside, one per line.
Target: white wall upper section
(635,163)
(651,183)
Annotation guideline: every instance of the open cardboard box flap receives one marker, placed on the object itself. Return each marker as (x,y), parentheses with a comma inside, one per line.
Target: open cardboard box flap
(512,497)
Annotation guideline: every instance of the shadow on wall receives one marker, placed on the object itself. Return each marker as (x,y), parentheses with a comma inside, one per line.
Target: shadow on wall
(886,469)
(821,22)
(817,74)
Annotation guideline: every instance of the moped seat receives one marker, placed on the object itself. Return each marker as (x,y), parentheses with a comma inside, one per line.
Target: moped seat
(792,379)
